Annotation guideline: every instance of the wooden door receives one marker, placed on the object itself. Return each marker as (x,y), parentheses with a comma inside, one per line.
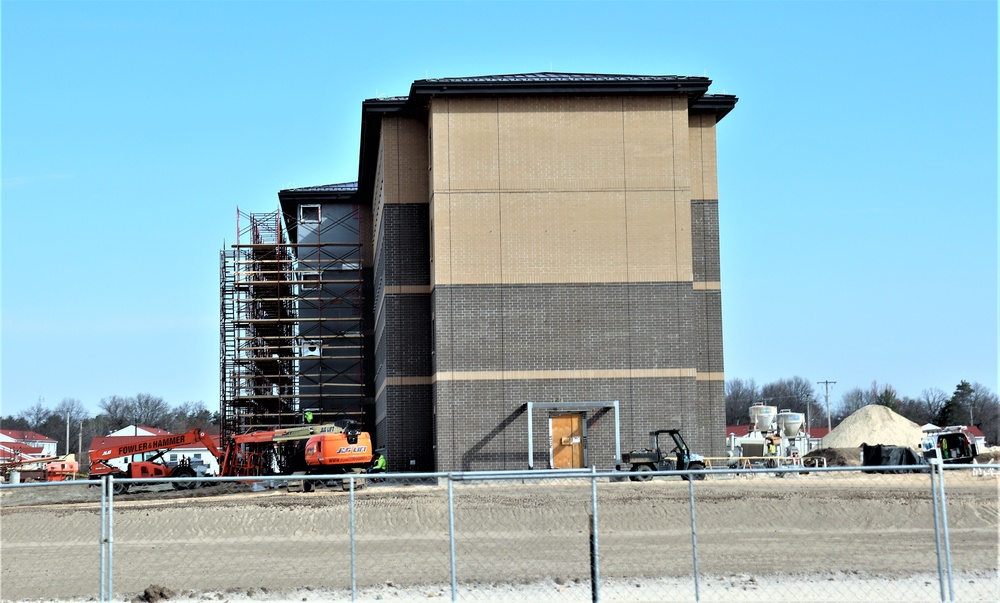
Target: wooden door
(567,441)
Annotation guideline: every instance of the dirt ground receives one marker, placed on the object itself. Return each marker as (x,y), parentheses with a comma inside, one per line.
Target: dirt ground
(853,536)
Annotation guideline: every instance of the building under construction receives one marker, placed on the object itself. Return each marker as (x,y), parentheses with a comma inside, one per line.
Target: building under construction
(292,319)
(525,274)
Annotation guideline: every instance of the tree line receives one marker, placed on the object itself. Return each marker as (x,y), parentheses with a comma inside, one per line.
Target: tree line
(115,413)
(970,404)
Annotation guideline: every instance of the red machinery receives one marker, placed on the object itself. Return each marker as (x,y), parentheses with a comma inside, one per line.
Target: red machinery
(329,449)
(152,450)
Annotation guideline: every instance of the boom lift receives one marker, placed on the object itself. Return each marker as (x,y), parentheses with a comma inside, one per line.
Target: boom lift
(335,448)
(329,449)
(151,466)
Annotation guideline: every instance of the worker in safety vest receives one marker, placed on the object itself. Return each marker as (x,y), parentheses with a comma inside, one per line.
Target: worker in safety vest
(308,416)
(378,463)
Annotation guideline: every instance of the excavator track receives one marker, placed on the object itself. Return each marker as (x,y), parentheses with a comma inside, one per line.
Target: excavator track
(299,485)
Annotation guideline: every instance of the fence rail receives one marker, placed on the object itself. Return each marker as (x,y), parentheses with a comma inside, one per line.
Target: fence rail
(915,533)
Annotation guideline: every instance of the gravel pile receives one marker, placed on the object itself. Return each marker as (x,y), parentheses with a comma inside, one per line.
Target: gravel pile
(874,425)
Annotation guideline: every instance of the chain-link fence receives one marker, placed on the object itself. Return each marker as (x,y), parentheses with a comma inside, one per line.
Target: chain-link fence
(837,534)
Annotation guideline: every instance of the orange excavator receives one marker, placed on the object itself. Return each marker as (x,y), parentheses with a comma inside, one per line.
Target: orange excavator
(331,449)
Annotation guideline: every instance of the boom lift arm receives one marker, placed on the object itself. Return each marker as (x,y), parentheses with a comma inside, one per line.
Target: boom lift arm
(149,467)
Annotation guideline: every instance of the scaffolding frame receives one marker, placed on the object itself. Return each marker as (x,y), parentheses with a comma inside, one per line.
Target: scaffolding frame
(288,343)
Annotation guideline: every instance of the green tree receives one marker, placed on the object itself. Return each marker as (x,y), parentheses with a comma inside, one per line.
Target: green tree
(12,422)
(955,410)
(884,395)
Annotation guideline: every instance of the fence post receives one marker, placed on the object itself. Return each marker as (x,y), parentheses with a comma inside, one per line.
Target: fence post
(103,540)
(354,589)
(107,562)
(937,525)
(595,558)
(451,536)
(694,538)
(944,528)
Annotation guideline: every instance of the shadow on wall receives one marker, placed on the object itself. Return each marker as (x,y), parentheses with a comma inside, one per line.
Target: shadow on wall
(476,455)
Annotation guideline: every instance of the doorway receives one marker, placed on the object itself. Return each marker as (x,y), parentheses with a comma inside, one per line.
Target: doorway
(568,439)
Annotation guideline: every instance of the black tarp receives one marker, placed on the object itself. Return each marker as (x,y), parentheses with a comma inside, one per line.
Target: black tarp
(880,456)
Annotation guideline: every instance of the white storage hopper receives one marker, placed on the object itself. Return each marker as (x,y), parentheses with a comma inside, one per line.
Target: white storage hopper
(762,417)
(790,423)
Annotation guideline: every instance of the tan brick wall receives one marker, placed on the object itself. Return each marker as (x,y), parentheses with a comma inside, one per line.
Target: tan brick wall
(404,149)
(704,175)
(560,190)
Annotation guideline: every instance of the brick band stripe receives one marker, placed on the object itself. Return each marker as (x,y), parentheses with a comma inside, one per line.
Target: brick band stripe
(530,375)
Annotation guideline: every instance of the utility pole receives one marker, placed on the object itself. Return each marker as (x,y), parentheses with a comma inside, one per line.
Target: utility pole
(67,432)
(829,424)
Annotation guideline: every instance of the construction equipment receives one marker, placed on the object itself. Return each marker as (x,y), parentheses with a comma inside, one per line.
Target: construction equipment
(151,466)
(62,469)
(654,458)
(56,468)
(952,444)
(330,449)
(774,439)
(337,448)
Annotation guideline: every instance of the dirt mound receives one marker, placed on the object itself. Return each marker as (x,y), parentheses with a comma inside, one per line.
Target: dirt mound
(873,425)
(837,457)
(989,455)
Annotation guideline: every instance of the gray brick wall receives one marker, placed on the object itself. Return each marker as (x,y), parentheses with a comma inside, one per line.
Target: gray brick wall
(407,431)
(483,424)
(568,327)
(705,239)
(480,424)
(403,338)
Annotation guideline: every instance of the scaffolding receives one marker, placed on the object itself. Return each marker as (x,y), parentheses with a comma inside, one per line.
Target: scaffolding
(291,322)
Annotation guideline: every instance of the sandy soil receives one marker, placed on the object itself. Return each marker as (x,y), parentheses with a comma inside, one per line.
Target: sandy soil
(812,537)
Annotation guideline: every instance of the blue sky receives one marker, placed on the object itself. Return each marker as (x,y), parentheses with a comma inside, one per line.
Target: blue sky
(857,174)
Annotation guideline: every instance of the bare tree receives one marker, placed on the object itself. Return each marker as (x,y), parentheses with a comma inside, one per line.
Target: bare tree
(851,402)
(35,415)
(984,409)
(151,411)
(190,415)
(72,408)
(932,400)
(68,413)
(116,412)
(795,394)
(740,396)
(925,408)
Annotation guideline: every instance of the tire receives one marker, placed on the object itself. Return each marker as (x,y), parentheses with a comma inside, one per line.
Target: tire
(184,472)
(696,466)
(120,488)
(641,473)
